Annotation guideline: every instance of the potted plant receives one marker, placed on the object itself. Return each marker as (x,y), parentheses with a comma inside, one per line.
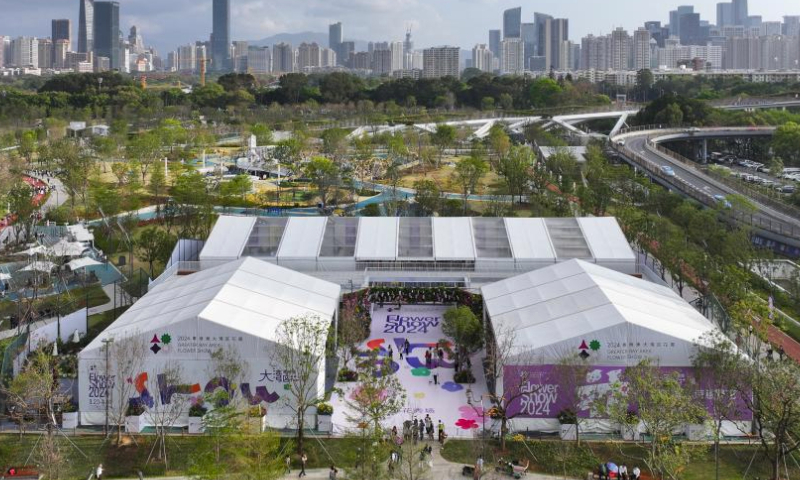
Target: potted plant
(630,427)
(257,417)
(69,415)
(569,424)
(134,421)
(324,412)
(196,413)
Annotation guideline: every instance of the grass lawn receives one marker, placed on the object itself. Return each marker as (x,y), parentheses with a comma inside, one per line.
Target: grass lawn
(132,456)
(554,457)
(443,177)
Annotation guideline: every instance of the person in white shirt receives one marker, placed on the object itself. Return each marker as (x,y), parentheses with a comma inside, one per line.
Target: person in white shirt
(99,472)
(623,472)
(636,473)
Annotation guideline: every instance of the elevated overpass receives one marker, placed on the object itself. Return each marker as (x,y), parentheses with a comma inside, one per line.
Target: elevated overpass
(641,148)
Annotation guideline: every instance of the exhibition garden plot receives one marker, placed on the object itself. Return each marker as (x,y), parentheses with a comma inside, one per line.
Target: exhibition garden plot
(421,325)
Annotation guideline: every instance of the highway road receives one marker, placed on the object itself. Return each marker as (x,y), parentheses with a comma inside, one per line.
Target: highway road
(639,148)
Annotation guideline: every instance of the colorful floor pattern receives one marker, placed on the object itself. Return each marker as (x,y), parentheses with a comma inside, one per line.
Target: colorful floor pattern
(447,401)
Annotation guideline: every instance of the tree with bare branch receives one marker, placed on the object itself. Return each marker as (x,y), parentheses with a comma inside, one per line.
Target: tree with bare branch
(126,358)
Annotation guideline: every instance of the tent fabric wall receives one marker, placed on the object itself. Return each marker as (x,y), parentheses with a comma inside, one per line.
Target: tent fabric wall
(377,239)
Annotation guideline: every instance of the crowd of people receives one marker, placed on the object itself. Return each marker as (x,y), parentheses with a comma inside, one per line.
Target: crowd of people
(612,471)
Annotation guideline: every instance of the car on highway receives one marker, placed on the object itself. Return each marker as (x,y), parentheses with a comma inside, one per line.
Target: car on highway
(720,199)
(667,170)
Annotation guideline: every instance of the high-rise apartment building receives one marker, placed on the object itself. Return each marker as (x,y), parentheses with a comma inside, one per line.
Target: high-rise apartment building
(221,35)
(769,29)
(540,20)
(440,62)
(398,55)
(495,37)
(106,33)
(61,30)
(327,58)
(239,56)
(186,59)
(641,49)
(690,31)
(45,53)
(345,50)
(86,26)
(594,53)
(482,58)
(259,60)
(307,56)
(512,56)
(620,46)
(556,33)
(283,58)
(512,23)
(529,37)
(60,49)
(382,61)
(25,52)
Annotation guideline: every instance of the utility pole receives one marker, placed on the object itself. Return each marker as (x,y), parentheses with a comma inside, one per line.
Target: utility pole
(106,344)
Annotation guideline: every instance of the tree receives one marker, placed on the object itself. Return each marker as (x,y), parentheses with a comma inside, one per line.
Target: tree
(466,329)
(570,372)
(126,357)
(786,143)
(146,150)
(671,115)
(334,143)
(158,182)
(663,403)
(428,196)
(27,145)
(262,132)
(514,169)
(544,92)
(468,174)
(154,245)
(74,168)
(324,174)
(239,186)
(644,81)
(443,137)
(171,402)
(378,395)
(499,141)
(300,349)
(776,167)
(20,202)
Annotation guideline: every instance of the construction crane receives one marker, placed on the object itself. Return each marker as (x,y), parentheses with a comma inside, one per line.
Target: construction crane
(203,67)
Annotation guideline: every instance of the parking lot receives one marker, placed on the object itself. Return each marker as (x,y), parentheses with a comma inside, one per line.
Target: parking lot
(757,173)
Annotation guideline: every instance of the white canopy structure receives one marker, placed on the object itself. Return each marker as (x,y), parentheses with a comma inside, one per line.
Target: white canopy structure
(82,262)
(39,266)
(462,251)
(552,311)
(237,305)
(64,248)
(80,233)
(606,320)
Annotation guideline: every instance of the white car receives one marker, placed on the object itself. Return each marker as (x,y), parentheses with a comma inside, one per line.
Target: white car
(667,170)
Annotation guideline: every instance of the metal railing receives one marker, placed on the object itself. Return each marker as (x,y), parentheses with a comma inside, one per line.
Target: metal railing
(776,202)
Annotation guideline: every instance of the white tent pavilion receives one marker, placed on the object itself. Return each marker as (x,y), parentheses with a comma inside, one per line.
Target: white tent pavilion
(576,309)
(82,262)
(237,305)
(32,251)
(39,266)
(64,248)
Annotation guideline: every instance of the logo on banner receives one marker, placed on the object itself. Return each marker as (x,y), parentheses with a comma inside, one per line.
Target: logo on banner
(594,346)
(158,344)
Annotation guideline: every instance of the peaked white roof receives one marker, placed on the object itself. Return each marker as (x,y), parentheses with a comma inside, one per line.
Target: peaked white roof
(248,295)
(575,298)
(228,238)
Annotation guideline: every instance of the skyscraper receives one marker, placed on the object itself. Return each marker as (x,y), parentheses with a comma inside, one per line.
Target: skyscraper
(540,19)
(724,14)
(620,46)
(283,58)
(740,12)
(136,40)
(106,32)
(791,25)
(512,56)
(335,39)
(482,58)
(556,34)
(512,23)
(494,42)
(86,26)
(61,30)
(25,52)
(675,19)
(690,33)
(221,35)
(529,37)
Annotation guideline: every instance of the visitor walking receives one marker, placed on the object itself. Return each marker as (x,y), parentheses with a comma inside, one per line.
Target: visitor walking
(303,460)
(288,462)
(391,352)
(435,378)
(98,473)
(332,473)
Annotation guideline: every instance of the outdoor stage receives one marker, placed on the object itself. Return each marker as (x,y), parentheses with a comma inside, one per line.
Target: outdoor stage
(447,401)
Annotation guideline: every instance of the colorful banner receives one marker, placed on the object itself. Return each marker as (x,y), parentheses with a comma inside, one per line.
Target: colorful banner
(543,391)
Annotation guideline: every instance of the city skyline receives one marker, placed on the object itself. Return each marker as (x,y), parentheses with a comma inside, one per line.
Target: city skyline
(168,24)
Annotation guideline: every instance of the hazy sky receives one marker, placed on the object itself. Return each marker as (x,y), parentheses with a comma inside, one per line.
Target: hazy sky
(168,23)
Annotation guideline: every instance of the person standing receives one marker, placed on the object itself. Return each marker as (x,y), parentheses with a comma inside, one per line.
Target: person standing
(98,473)
(303,460)
(391,352)
(636,473)
(332,473)
(435,378)
(288,462)
(623,472)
